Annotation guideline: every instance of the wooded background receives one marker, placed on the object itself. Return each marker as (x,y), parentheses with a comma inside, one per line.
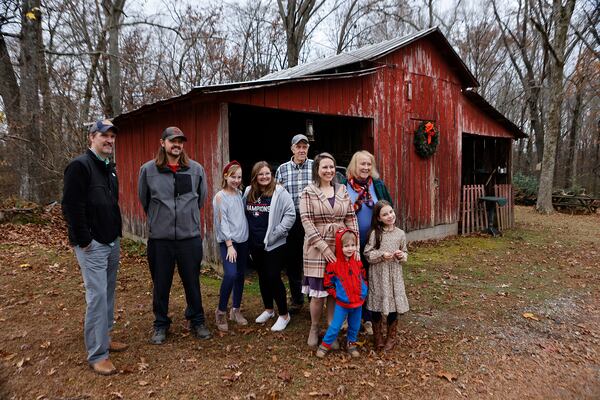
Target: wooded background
(65,63)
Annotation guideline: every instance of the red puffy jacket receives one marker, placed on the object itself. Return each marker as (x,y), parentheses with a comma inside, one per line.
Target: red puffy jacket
(346,280)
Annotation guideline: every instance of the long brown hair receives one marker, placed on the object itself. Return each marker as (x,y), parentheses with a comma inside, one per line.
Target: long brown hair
(376,225)
(315,168)
(255,190)
(161,159)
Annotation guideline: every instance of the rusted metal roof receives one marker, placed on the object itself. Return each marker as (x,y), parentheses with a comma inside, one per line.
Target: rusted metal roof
(370,54)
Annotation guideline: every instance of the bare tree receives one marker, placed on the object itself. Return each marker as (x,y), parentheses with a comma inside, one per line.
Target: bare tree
(113,10)
(296,15)
(557,46)
(529,59)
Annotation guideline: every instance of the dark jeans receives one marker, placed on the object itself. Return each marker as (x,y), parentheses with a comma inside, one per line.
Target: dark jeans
(295,262)
(268,267)
(233,275)
(162,257)
(390,318)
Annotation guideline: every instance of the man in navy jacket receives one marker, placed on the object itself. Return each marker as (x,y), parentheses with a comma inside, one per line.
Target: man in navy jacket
(90,206)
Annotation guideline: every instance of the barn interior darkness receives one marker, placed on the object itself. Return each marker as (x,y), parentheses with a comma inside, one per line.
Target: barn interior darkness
(258,133)
(485,161)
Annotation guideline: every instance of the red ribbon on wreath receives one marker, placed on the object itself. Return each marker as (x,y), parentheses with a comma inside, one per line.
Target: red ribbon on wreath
(429,131)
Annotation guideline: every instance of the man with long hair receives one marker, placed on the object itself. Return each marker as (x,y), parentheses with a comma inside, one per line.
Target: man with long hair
(90,206)
(172,189)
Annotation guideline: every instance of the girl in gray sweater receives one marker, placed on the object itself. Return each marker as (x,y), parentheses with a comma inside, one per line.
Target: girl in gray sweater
(231,230)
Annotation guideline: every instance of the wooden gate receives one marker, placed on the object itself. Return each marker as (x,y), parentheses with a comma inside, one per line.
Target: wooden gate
(473,212)
(505,215)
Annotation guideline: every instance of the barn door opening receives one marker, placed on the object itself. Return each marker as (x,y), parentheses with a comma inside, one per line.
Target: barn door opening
(258,133)
(485,161)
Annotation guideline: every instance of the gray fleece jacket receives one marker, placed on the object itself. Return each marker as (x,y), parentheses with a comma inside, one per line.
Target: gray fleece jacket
(172,201)
(281,217)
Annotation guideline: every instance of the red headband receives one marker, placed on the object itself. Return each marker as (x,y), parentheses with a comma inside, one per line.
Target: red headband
(231,164)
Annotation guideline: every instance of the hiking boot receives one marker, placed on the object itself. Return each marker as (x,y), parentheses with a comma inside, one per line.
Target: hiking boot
(159,335)
(236,315)
(221,320)
(313,336)
(104,367)
(335,345)
(201,332)
(392,332)
(322,351)
(353,350)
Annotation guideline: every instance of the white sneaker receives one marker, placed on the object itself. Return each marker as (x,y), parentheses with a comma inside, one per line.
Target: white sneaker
(281,323)
(264,317)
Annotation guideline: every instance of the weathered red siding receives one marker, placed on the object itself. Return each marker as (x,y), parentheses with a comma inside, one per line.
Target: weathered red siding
(426,191)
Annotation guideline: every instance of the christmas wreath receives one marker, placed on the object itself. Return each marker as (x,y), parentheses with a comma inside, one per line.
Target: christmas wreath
(427,139)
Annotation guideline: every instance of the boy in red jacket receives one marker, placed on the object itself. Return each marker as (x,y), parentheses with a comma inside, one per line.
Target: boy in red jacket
(345,280)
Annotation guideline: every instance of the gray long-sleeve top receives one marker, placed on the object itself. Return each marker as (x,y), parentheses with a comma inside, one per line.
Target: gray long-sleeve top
(229,218)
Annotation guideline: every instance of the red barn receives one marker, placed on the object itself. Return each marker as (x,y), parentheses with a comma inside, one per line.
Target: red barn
(372,98)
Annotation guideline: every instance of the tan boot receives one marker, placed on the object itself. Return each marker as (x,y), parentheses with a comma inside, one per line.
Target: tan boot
(221,320)
(313,336)
(236,315)
(378,334)
(392,332)
(104,367)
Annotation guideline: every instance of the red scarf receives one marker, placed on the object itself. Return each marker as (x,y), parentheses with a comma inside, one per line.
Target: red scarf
(364,196)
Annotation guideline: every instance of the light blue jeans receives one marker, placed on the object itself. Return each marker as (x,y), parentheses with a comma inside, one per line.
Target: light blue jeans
(99,264)
(339,316)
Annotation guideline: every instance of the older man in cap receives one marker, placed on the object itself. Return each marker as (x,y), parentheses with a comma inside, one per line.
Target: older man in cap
(172,189)
(295,175)
(90,206)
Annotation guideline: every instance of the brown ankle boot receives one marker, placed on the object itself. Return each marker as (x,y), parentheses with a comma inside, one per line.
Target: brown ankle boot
(392,332)
(378,334)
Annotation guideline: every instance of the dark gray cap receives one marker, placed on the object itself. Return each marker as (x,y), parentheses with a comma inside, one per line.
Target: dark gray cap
(298,138)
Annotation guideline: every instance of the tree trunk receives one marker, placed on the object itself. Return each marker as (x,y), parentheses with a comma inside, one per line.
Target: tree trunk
(562,16)
(571,167)
(30,170)
(9,89)
(295,15)
(114,12)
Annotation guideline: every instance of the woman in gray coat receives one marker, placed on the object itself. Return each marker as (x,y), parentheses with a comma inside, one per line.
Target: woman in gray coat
(271,214)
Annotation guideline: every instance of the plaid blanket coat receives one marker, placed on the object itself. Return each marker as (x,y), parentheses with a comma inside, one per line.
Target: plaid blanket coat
(320,222)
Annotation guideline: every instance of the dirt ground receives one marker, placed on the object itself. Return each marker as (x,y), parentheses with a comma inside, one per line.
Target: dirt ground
(514,317)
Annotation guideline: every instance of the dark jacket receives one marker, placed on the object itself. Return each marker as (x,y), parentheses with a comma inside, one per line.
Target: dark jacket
(345,280)
(90,201)
(172,201)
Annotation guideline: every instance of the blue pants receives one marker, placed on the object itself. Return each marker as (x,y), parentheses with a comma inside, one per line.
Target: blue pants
(99,264)
(233,275)
(339,315)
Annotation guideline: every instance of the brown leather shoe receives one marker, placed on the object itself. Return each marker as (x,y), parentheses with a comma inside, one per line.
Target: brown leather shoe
(104,367)
(117,346)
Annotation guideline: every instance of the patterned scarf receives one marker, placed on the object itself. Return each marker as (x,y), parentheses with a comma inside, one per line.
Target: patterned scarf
(362,188)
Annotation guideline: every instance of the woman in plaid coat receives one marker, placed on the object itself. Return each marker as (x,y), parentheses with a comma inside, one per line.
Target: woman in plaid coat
(325,207)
